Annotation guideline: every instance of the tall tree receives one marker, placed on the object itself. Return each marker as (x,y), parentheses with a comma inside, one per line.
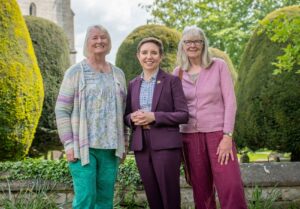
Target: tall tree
(227,23)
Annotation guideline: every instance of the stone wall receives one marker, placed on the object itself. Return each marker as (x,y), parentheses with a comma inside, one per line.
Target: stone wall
(283,177)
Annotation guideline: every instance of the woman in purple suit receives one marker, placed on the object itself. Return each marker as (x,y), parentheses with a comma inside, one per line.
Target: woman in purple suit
(155,107)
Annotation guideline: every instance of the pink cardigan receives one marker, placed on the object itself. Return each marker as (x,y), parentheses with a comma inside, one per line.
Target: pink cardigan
(211,100)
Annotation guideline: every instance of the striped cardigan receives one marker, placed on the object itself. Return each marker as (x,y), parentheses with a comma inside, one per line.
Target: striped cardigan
(70,111)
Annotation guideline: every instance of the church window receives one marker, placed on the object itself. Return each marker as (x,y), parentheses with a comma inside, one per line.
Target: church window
(32,9)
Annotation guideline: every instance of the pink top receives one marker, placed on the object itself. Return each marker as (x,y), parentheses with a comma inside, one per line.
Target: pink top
(211,100)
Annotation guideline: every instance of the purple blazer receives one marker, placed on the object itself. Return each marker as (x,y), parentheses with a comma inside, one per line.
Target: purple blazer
(169,107)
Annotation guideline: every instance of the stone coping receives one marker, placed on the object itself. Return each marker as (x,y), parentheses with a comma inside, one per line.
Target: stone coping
(34,185)
(270,174)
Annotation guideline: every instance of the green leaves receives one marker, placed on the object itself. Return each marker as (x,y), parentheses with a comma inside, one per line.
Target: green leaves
(259,200)
(55,170)
(128,183)
(285,29)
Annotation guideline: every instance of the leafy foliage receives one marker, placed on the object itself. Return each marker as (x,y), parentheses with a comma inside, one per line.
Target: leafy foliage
(52,52)
(128,183)
(268,114)
(126,55)
(285,29)
(227,23)
(258,201)
(55,170)
(21,87)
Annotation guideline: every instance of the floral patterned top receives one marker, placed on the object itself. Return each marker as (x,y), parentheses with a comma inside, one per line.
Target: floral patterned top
(101,108)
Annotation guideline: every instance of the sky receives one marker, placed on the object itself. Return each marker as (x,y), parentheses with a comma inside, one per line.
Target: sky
(119,17)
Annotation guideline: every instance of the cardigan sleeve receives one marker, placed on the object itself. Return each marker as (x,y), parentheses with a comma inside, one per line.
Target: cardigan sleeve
(229,99)
(63,111)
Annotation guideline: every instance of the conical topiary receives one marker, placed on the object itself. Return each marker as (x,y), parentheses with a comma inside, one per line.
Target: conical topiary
(21,87)
(268,105)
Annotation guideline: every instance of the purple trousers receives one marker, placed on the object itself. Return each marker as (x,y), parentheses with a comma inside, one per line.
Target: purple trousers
(207,175)
(159,171)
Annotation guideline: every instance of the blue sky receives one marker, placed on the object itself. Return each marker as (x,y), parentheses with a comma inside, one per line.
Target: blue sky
(120,17)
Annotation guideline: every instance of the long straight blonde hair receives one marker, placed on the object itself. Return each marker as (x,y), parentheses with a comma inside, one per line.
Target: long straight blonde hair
(195,33)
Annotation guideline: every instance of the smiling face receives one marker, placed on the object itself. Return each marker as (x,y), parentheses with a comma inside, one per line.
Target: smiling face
(149,56)
(98,42)
(193,46)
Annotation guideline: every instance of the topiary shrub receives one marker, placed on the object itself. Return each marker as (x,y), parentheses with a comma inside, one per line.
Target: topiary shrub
(126,55)
(52,52)
(268,105)
(21,87)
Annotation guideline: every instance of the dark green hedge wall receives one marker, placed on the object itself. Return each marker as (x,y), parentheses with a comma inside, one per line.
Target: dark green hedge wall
(52,51)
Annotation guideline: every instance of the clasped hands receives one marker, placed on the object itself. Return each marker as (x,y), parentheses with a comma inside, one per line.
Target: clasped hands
(141,117)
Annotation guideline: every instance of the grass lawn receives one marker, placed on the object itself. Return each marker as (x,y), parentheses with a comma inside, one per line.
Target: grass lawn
(262,156)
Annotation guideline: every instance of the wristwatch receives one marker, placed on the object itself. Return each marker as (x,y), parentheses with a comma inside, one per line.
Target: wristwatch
(230,134)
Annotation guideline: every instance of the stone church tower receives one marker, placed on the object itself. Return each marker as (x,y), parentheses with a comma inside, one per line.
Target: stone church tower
(58,11)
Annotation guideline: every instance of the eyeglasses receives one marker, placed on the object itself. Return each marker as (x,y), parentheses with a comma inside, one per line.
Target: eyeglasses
(196,42)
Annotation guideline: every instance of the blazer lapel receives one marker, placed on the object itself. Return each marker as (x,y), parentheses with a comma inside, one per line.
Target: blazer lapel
(136,94)
(157,89)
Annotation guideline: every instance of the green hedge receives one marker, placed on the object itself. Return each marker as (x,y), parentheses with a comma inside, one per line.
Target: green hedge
(126,55)
(58,171)
(268,105)
(52,51)
(21,87)
(55,170)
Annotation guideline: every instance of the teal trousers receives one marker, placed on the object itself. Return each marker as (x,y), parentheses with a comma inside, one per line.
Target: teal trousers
(94,183)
